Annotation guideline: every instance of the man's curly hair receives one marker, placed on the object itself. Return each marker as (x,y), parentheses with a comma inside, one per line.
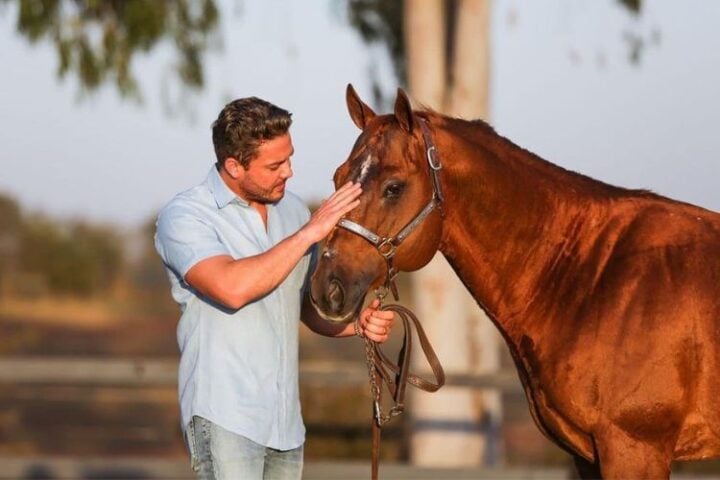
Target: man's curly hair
(243,125)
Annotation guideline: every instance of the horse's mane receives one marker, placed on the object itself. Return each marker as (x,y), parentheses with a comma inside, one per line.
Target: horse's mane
(481,132)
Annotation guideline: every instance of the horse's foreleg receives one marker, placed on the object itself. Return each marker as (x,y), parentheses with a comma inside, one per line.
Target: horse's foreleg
(622,456)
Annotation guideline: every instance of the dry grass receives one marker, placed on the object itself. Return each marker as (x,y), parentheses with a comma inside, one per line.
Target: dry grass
(62,311)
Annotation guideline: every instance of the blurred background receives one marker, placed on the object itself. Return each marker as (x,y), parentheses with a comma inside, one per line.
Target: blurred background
(105,114)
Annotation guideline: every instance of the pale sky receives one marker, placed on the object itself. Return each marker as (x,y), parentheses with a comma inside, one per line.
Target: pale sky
(562,87)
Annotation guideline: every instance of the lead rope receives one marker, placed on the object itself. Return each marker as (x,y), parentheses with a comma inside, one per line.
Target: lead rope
(381,370)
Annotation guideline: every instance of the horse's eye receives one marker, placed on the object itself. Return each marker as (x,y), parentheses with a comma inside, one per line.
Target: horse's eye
(394,190)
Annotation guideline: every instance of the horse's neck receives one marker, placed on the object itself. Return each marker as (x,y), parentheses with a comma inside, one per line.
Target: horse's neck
(505,223)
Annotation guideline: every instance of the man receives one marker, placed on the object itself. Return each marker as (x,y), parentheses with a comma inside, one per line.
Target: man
(239,249)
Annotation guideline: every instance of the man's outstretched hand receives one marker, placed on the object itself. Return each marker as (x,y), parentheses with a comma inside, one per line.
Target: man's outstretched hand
(331,211)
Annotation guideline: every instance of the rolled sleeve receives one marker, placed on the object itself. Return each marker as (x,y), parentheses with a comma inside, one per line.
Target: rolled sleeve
(183,239)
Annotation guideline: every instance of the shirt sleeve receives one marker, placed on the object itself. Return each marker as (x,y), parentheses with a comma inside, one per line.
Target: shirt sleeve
(183,239)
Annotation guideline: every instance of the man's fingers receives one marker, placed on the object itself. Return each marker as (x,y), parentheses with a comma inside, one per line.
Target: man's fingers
(376,323)
(381,318)
(380,322)
(348,190)
(345,188)
(334,207)
(335,212)
(345,197)
(384,315)
(378,330)
(338,202)
(348,207)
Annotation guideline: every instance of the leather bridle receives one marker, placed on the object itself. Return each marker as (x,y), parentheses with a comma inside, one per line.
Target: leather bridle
(381,369)
(387,246)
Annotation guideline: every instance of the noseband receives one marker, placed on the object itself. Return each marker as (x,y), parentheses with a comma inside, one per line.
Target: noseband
(387,246)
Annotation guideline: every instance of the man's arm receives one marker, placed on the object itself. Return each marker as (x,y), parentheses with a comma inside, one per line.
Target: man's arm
(372,323)
(234,283)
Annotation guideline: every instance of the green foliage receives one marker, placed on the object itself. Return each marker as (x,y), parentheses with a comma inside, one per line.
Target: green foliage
(10,222)
(40,255)
(148,272)
(633,6)
(381,22)
(78,258)
(9,214)
(97,39)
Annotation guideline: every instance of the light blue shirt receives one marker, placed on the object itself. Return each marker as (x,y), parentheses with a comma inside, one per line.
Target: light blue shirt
(238,368)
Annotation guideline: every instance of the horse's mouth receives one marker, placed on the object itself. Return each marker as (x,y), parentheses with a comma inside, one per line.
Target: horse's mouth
(337,318)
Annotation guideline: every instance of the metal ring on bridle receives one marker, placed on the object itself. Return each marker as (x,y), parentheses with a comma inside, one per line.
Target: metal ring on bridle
(386,248)
(432,161)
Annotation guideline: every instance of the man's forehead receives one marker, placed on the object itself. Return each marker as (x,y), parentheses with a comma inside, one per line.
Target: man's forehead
(274,150)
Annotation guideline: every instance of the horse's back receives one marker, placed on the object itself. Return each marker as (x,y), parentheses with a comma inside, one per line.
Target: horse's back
(662,299)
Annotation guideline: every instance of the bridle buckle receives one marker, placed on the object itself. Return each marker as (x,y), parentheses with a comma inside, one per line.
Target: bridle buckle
(386,248)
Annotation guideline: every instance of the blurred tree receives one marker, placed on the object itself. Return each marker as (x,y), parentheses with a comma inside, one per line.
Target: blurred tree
(79,259)
(97,39)
(148,274)
(10,222)
(383,22)
(100,255)
(633,5)
(9,214)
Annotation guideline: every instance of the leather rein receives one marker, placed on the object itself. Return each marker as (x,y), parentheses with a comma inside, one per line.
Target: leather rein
(382,370)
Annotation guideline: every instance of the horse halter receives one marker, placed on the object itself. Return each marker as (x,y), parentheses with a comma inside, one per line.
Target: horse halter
(387,246)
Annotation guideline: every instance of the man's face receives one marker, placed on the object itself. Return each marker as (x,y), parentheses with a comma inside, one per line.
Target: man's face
(264,180)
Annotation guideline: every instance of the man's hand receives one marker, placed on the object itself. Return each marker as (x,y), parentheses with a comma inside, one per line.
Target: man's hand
(331,211)
(376,324)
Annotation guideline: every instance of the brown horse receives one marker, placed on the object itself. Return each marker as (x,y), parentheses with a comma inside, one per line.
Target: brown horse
(608,298)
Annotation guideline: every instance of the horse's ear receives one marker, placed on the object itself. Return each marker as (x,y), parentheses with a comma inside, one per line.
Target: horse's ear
(403,110)
(360,113)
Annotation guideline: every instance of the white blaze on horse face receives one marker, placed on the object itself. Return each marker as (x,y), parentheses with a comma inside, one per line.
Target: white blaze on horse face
(365,167)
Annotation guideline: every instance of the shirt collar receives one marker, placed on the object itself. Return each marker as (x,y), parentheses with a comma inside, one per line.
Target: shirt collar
(221,192)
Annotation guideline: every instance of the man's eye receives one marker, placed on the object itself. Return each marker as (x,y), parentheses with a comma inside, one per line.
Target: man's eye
(394,190)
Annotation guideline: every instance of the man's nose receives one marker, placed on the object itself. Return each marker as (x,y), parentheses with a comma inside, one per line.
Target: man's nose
(288,172)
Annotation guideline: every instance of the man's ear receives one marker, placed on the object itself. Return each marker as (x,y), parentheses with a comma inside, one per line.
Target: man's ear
(233,167)
(360,113)
(403,111)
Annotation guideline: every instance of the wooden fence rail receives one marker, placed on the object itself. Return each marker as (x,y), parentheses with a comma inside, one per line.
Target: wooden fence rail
(137,372)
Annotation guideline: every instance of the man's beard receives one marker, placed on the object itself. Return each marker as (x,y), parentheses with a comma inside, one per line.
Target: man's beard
(264,196)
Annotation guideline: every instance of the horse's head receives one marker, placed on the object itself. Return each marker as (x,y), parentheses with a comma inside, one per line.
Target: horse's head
(397,224)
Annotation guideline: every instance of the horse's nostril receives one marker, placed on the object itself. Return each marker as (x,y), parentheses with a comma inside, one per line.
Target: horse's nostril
(336,296)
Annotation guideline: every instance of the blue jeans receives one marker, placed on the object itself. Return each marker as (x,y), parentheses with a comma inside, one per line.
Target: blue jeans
(217,454)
